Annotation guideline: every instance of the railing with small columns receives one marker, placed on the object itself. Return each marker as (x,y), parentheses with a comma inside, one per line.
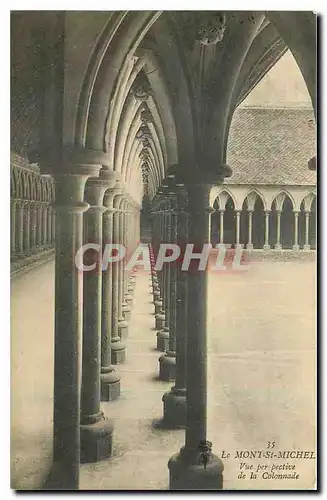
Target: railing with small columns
(32,214)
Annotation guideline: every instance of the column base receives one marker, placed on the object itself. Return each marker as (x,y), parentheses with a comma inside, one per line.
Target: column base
(123,329)
(110,384)
(96,441)
(306,248)
(160,321)
(278,246)
(157,307)
(186,474)
(174,403)
(118,353)
(296,248)
(249,246)
(266,247)
(128,299)
(167,366)
(156,295)
(163,341)
(126,313)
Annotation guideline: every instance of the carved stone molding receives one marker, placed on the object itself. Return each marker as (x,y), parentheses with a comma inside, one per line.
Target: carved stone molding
(146,116)
(143,132)
(144,154)
(141,89)
(207,27)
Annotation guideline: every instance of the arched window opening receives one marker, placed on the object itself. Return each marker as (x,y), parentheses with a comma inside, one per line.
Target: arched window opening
(215,224)
(273,238)
(230,222)
(287,224)
(244,224)
(258,224)
(301,226)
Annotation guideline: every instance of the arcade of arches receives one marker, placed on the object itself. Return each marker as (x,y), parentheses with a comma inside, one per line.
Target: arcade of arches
(122,130)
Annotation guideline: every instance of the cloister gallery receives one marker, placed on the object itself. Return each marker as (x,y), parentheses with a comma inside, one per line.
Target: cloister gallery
(131,126)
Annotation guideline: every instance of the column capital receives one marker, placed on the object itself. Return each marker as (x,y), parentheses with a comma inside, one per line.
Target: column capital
(296,212)
(199,196)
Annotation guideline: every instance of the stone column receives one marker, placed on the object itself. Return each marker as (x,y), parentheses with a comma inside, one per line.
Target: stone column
(174,401)
(19,227)
(96,430)
(306,237)
(126,297)
(13,204)
(163,335)
(110,380)
(68,322)
(33,225)
(278,246)
(238,216)
(122,323)
(49,223)
(266,245)
(221,232)
(53,225)
(26,227)
(187,468)
(296,230)
(167,362)
(249,246)
(39,224)
(44,224)
(118,351)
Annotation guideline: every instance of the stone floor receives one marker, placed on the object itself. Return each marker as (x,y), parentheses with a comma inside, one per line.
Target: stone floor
(261,384)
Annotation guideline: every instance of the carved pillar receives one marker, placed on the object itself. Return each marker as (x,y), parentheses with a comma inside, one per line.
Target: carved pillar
(266,245)
(122,323)
(238,218)
(44,223)
(167,362)
(163,334)
(249,246)
(221,233)
(110,380)
(53,225)
(68,321)
(39,223)
(49,225)
(20,227)
(174,401)
(278,246)
(126,297)
(306,237)
(296,230)
(13,204)
(186,468)
(117,346)
(33,225)
(26,227)
(96,430)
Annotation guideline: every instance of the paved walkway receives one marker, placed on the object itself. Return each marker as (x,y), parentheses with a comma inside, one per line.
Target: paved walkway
(261,380)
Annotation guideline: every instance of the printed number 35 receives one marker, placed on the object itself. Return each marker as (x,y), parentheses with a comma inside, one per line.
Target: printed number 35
(271,444)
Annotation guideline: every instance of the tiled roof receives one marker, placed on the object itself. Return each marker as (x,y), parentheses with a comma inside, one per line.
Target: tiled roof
(272,146)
